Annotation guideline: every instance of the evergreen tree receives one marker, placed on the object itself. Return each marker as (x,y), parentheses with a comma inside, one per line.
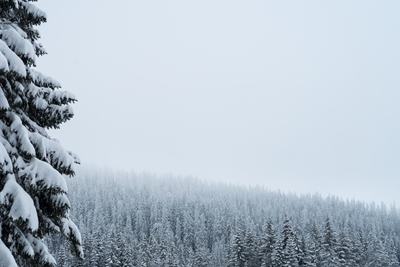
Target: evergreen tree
(97,250)
(144,254)
(250,250)
(345,255)
(62,259)
(237,254)
(391,248)
(112,250)
(33,202)
(289,249)
(313,255)
(267,245)
(376,254)
(277,254)
(201,258)
(329,245)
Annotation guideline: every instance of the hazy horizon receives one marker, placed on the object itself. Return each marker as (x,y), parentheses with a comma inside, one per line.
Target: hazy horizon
(296,96)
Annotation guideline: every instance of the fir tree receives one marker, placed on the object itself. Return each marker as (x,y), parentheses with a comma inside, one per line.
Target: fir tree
(33,202)
(250,250)
(329,245)
(201,258)
(345,254)
(237,253)
(313,255)
(267,245)
(277,253)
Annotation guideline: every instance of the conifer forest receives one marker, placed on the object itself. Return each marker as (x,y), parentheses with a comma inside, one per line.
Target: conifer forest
(54,213)
(128,219)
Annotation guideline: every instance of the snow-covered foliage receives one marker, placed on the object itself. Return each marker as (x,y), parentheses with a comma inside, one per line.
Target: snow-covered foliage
(143,220)
(33,201)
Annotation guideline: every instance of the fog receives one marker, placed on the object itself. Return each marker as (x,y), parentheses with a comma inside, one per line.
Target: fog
(300,96)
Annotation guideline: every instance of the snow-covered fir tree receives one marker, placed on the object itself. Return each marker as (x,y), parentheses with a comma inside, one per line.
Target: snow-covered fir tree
(33,191)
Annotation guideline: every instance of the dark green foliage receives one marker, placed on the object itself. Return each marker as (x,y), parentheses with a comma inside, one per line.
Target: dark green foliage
(33,201)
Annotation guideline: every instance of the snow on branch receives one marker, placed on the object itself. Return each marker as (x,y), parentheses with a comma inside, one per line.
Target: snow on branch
(43,80)
(52,151)
(16,42)
(6,258)
(22,206)
(15,63)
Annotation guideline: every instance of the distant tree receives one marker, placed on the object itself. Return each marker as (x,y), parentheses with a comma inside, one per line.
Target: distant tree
(329,245)
(201,258)
(391,248)
(289,246)
(345,254)
(143,254)
(112,250)
(277,253)
(314,248)
(237,253)
(33,192)
(267,244)
(250,250)
(97,250)
(62,258)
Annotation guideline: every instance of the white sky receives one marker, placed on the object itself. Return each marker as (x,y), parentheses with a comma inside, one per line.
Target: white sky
(300,96)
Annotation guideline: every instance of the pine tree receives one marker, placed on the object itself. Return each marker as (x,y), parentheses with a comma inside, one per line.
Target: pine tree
(345,254)
(33,201)
(97,250)
(313,258)
(144,254)
(329,245)
(112,250)
(237,254)
(267,244)
(277,253)
(288,244)
(62,259)
(201,258)
(250,250)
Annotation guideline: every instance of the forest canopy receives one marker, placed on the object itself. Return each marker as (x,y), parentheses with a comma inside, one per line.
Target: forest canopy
(130,219)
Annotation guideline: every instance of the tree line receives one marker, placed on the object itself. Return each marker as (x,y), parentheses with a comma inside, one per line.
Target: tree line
(127,219)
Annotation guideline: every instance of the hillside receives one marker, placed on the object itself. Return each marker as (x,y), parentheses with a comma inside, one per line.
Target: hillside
(127,219)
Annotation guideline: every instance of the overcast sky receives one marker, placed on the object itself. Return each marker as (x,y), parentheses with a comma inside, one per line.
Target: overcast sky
(300,96)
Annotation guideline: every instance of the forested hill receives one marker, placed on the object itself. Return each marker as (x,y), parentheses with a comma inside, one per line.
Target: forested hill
(141,220)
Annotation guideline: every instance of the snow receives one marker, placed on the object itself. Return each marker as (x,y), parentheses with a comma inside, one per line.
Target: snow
(44,80)
(22,204)
(5,161)
(33,90)
(3,63)
(22,136)
(31,8)
(6,258)
(34,125)
(40,49)
(21,239)
(69,228)
(40,103)
(40,248)
(15,63)
(76,158)
(20,45)
(3,100)
(60,96)
(42,171)
(52,151)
